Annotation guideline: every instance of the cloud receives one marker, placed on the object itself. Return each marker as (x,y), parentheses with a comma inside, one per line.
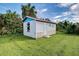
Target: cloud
(57,16)
(74,20)
(64,4)
(43,10)
(64,14)
(75,9)
(72,15)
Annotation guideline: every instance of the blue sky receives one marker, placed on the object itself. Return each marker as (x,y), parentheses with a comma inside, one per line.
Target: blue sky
(46,10)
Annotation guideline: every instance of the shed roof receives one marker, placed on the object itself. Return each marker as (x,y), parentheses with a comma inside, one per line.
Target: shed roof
(39,20)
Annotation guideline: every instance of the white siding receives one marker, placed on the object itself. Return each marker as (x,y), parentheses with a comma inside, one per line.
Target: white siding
(45,29)
(39,29)
(32,32)
(49,29)
(54,28)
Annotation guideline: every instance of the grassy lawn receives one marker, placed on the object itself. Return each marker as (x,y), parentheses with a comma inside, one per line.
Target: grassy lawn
(58,44)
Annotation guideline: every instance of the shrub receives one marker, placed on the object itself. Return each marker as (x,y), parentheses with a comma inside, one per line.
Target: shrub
(77,28)
(68,27)
(71,28)
(10,22)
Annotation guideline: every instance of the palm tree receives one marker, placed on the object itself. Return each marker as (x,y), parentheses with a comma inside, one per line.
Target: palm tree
(28,10)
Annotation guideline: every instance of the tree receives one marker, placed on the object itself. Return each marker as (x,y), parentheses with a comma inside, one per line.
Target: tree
(1,21)
(77,28)
(71,28)
(59,26)
(11,22)
(28,10)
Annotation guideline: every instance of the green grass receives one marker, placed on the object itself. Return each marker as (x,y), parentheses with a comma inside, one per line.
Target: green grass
(57,45)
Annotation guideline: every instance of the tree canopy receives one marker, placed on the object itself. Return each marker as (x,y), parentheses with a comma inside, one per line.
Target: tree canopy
(28,10)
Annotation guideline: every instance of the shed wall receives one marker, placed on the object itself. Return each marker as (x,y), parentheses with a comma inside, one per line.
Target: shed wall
(32,32)
(45,29)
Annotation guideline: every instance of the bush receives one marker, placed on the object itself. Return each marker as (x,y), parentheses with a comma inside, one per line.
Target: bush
(68,27)
(3,31)
(77,29)
(71,29)
(10,22)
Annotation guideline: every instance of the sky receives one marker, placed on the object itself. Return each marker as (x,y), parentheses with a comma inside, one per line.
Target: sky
(53,11)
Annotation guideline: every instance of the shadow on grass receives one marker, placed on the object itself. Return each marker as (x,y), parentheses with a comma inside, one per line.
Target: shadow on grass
(22,37)
(71,34)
